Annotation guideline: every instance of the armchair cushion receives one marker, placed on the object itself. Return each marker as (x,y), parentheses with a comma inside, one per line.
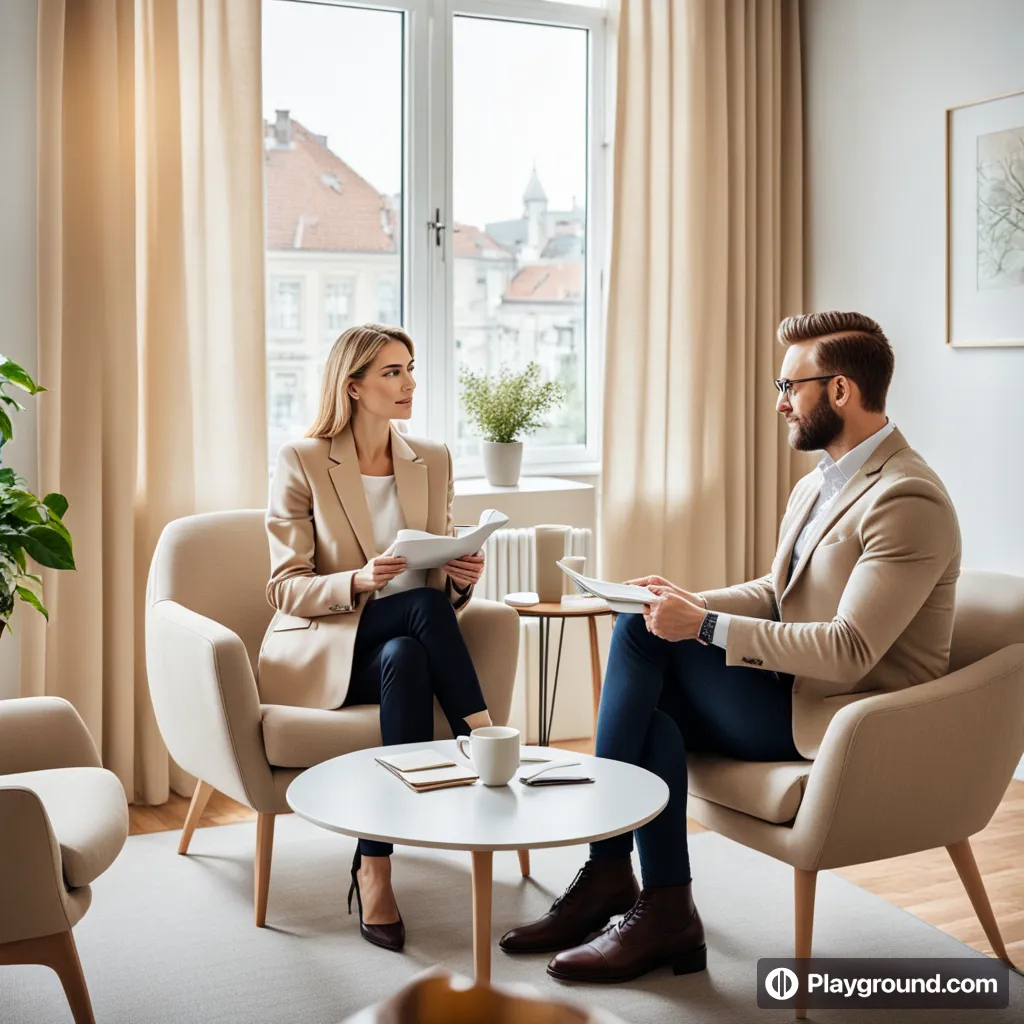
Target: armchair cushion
(769,790)
(88,814)
(297,737)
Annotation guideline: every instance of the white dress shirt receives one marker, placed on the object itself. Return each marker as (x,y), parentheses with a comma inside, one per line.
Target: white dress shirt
(834,477)
(388,519)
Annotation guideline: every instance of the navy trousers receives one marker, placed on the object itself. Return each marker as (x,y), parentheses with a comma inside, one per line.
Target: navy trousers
(409,649)
(662,699)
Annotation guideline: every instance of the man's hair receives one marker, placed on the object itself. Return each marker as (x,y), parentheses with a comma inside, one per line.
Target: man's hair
(848,343)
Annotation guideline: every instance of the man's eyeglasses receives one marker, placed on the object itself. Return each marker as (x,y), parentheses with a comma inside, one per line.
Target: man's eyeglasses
(785,384)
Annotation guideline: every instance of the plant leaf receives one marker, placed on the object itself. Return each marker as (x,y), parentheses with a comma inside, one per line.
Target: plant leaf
(56,503)
(20,377)
(7,476)
(6,430)
(29,598)
(49,546)
(8,400)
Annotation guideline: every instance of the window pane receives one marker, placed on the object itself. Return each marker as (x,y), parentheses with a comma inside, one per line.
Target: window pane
(332,107)
(520,190)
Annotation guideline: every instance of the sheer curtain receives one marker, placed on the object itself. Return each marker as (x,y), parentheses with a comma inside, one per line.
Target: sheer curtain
(706,259)
(151,331)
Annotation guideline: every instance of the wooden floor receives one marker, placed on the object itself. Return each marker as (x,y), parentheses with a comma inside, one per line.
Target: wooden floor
(925,884)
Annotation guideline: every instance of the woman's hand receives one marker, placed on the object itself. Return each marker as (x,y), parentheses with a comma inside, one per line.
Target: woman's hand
(676,616)
(377,573)
(465,572)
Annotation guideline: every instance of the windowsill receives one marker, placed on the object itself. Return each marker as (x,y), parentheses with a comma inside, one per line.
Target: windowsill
(477,485)
(475,471)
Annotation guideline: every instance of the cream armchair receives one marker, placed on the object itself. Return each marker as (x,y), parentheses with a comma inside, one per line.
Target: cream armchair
(206,613)
(63,821)
(897,773)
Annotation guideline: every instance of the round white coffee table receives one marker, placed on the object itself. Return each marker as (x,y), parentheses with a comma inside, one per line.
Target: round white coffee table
(354,795)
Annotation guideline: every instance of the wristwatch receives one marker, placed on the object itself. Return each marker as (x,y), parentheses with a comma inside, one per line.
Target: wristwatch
(706,635)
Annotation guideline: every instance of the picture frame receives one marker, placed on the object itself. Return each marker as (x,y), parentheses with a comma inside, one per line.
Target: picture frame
(985,222)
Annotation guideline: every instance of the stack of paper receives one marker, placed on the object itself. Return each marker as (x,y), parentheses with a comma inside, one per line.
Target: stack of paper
(430,551)
(423,770)
(626,598)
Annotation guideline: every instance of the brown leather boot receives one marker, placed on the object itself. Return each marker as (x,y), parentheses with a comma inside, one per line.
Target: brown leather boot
(602,887)
(662,928)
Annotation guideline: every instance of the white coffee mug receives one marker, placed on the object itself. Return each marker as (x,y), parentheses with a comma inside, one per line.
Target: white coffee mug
(494,751)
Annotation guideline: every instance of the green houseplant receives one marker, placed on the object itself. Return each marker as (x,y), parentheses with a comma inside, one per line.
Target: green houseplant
(504,408)
(29,526)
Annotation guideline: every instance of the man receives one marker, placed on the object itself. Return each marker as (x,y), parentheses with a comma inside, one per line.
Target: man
(859,601)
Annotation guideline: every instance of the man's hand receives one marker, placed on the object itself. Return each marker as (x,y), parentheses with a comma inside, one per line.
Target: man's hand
(675,616)
(651,582)
(465,572)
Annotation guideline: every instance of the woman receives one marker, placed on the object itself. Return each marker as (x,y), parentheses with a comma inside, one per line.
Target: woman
(353,624)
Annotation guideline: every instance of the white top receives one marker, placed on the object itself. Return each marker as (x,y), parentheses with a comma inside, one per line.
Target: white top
(354,795)
(388,519)
(834,478)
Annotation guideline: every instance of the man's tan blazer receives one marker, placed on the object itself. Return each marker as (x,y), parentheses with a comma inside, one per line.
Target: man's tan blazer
(321,535)
(869,606)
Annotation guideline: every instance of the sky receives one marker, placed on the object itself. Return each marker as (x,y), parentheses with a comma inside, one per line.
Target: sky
(519,96)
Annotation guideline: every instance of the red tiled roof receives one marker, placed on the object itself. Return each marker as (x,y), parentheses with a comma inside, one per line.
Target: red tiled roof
(315,201)
(547,282)
(471,241)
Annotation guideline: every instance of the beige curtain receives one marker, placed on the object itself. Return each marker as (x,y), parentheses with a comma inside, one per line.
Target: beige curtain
(150,326)
(706,259)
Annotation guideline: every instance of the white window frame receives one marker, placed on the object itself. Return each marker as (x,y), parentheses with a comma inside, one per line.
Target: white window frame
(426,285)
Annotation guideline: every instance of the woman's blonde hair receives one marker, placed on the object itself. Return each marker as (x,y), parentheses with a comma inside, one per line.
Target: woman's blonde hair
(349,359)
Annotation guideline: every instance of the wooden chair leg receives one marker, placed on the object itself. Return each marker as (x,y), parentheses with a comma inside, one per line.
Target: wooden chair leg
(202,794)
(804,884)
(524,862)
(264,851)
(60,954)
(595,666)
(962,856)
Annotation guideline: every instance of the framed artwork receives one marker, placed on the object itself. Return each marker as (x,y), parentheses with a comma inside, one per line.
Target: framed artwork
(985,222)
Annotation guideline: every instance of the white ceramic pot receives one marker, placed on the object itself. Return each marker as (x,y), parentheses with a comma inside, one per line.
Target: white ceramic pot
(502,462)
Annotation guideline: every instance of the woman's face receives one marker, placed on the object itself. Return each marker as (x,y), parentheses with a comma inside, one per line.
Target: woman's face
(387,386)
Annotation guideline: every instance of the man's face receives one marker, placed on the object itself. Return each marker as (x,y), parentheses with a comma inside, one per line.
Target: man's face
(813,422)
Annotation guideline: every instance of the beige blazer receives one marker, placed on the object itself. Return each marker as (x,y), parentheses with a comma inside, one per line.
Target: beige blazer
(321,535)
(869,607)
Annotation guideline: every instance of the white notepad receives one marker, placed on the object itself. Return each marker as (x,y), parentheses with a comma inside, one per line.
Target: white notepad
(416,760)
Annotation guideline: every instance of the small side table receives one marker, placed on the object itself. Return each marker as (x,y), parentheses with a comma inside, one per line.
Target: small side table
(546,611)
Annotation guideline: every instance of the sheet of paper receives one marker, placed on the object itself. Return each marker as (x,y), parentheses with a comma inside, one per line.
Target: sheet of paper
(621,597)
(416,760)
(431,551)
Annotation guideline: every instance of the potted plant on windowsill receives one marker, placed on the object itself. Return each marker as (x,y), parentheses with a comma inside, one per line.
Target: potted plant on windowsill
(29,526)
(504,408)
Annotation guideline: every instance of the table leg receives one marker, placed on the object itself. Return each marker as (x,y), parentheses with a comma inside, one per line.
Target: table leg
(595,667)
(544,681)
(483,872)
(524,862)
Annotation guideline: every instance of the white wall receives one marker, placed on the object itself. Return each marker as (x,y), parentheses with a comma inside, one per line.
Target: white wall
(878,77)
(18,243)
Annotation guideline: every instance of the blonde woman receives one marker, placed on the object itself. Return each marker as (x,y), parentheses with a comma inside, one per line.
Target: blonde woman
(353,624)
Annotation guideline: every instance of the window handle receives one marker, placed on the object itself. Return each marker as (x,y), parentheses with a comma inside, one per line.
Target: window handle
(437,226)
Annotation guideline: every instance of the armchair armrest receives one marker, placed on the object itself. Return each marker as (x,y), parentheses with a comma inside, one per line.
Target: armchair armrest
(491,632)
(31,883)
(206,703)
(912,770)
(37,733)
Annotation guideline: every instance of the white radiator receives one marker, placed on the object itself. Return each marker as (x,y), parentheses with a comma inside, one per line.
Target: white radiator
(511,560)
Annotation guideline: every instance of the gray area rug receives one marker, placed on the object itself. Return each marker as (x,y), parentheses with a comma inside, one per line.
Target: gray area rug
(171,940)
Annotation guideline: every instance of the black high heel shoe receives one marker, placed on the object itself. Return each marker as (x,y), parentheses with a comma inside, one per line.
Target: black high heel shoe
(387,936)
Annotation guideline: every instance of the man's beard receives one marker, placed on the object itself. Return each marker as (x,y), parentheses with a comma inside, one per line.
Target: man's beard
(820,428)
